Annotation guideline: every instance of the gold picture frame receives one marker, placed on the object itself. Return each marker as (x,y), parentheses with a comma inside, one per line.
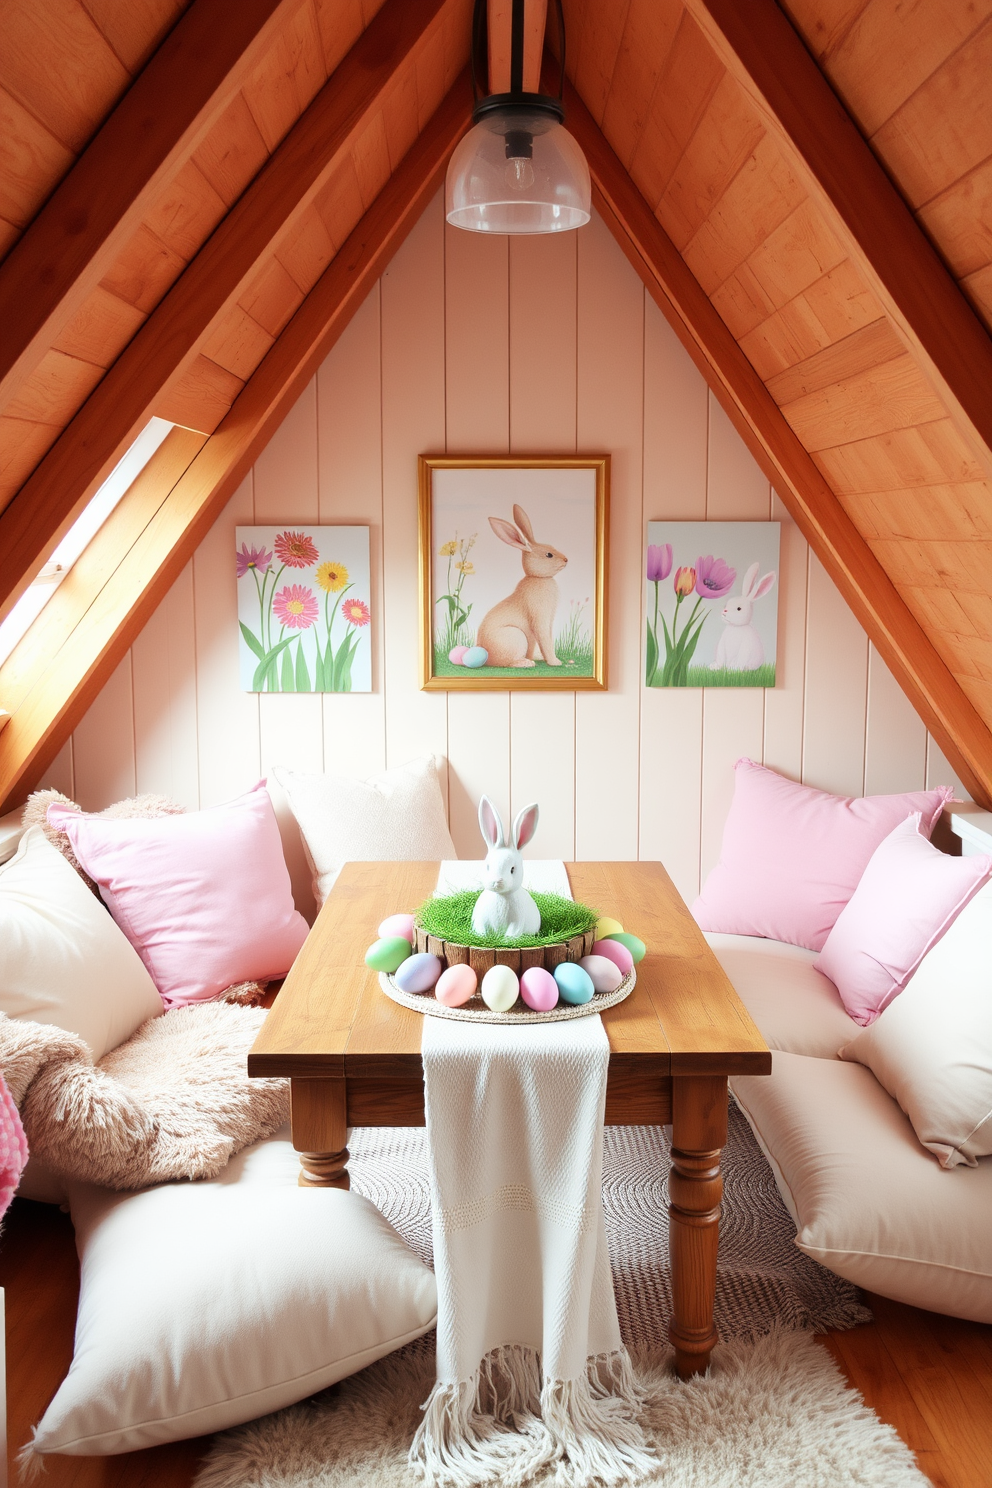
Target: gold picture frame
(469,506)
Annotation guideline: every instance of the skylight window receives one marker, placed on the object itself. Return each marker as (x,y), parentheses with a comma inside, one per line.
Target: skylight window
(84,528)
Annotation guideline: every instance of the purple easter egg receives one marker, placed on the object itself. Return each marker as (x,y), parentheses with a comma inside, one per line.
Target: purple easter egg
(539,989)
(418,973)
(614,951)
(457,654)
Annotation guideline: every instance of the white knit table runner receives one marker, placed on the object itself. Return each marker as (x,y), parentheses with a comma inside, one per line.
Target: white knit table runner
(530,1365)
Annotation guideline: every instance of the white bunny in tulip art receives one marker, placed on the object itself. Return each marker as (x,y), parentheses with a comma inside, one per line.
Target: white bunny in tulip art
(739,648)
(520,629)
(504,908)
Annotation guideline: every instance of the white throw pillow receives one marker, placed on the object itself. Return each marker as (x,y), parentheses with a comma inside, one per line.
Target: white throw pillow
(202,1305)
(62,958)
(931,1049)
(397,816)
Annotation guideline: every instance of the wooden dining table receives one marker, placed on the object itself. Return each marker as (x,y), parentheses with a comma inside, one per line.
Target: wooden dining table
(352,1055)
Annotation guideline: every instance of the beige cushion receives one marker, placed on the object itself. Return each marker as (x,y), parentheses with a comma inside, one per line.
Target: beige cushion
(205,1304)
(931,1048)
(796,1008)
(867,1199)
(396,816)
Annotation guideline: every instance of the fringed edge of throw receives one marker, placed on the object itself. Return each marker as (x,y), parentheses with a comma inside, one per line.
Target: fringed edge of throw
(30,1463)
(505,1424)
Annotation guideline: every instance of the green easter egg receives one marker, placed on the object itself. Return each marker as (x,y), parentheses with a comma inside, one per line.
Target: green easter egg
(636,947)
(387,954)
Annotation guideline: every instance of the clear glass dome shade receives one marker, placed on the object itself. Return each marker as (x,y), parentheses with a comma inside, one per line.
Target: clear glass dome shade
(518,173)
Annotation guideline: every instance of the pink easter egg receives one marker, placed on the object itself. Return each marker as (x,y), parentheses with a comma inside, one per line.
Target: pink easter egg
(604,974)
(397,925)
(614,951)
(539,989)
(455,986)
(457,654)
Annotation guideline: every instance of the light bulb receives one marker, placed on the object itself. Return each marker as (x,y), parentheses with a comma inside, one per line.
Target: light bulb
(519,173)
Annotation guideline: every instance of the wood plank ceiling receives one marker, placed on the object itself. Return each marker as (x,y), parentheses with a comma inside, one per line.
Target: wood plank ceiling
(316,115)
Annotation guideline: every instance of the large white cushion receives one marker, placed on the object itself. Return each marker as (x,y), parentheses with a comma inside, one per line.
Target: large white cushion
(397,816)
(932,1046)
(796,1008)
(62,958)
(202,1305)
(867,1199)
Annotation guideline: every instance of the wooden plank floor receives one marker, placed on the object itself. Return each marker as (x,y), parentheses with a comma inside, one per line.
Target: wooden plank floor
(929,1376)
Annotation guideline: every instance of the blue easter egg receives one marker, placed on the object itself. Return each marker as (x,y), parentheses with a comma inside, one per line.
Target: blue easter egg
(574,984)
(418,973)
(475,656)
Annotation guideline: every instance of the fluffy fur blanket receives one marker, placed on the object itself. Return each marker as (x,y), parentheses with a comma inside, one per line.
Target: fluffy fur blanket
(174,1101)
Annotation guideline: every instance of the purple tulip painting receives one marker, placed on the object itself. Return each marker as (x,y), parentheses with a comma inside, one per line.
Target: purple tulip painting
(711,609)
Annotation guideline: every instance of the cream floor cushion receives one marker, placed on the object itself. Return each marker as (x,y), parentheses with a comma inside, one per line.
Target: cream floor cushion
(796,1008)
(868,1200)
(206,1304)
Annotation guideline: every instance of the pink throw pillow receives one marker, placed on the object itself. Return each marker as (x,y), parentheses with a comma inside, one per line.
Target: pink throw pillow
(793,856)
(908,898)
(204,898)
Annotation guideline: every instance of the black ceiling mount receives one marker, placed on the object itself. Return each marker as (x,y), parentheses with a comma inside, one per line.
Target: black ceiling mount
(516,100)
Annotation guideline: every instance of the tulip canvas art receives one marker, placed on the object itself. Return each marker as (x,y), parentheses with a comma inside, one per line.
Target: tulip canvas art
(304,611)
(712,604)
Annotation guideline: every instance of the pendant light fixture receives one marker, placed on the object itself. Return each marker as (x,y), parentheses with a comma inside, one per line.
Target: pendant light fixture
(518,170)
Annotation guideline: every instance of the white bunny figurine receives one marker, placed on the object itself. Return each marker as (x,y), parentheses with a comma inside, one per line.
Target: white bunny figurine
(504,907)
(739,648)
(520,629)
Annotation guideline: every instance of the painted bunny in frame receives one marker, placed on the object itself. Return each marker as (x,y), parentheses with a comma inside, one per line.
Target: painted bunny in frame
(504,907)
(519,630)
(740,648)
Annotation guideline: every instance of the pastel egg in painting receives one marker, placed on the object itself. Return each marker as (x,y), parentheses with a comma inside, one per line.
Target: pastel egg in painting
(456,986)
(418,973)
(539,989)
(616,951)
(475,656)
(605,974)
(457,654)
(397,924)
(388,953)
(500,988)
(574,984)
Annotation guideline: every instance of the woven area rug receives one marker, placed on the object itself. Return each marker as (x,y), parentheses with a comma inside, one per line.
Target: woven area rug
(774,1411)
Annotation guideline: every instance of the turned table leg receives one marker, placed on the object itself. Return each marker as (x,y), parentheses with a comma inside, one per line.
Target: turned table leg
(318,1111)
(699,1131)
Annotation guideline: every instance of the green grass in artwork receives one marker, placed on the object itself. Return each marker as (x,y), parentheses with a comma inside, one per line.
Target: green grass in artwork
(450,918)
(577,662)
(701,676)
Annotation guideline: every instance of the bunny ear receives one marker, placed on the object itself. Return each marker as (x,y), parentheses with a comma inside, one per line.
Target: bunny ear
(764,586)
(525,825)
(523,522)
(492,827)
(749,579)
(507,533)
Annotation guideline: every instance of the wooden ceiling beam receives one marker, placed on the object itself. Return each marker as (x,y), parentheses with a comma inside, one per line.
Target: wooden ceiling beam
(59,667)
(168,342)
(160,120)
(757,43)
(871,595)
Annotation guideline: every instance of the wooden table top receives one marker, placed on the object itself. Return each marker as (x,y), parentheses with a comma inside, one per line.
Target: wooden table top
(331,1017)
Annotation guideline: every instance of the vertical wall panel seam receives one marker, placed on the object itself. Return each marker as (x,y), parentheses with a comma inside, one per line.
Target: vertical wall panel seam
(196,680)
(382,529)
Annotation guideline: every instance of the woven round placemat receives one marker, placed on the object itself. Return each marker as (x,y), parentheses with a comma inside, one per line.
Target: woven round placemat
(475,1011)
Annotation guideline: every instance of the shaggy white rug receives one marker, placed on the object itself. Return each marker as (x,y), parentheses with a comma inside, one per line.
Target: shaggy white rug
(773,1413)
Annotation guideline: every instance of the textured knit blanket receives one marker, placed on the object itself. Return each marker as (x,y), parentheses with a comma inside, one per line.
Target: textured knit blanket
(531,1369)
(174,1101)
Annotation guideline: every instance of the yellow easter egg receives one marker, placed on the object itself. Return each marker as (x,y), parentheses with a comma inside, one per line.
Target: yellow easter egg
(605,926)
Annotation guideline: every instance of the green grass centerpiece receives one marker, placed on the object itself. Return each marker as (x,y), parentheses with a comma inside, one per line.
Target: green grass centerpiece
(449,918)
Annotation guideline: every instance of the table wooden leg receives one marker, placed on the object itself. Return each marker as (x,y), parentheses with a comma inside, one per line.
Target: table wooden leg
(699,1131)
(318,1111)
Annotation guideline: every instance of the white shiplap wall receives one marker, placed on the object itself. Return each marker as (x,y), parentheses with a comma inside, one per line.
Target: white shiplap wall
(475,344)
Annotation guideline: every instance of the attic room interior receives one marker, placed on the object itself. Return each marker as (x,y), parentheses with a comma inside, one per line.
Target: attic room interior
(440,1042)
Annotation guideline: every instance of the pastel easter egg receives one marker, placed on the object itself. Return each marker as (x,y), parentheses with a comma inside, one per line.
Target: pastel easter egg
(574,983)
(605,926)
(418,973)
(500,988)
(398,924)
(605,974)
(616,952)
(539,989)
(456,986)
(637,948)
(388,953)
(475,656)
(457,654)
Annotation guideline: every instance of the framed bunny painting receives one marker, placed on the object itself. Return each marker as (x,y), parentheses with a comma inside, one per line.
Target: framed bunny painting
(513,572)
(712,604)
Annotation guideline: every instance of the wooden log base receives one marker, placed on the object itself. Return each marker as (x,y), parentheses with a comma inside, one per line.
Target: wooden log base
(324,1169)
(518,958)
(695,1188)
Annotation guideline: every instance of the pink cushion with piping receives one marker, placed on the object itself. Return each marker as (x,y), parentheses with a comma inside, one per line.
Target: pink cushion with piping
(204,898)
(908,898)
(792,856)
